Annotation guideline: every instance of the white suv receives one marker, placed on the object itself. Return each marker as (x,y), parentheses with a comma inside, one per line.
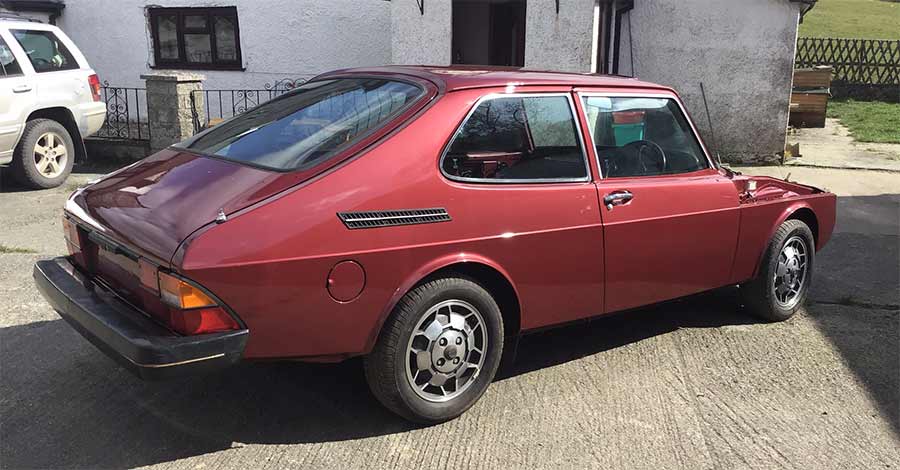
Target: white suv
(49,101)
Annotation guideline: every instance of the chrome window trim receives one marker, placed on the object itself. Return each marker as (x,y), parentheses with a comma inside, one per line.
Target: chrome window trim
(492,96)
(673,97)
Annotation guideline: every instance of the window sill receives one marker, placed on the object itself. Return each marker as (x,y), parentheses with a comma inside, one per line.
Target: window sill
(233,68)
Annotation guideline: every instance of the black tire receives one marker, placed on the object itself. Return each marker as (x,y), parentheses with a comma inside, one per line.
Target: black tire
(759,295)
(386,366)
(24,167)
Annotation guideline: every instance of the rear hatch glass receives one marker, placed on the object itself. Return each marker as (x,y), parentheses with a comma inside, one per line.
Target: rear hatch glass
(309,125)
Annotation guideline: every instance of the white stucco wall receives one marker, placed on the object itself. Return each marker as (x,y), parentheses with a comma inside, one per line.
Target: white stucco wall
(418,38)
(559,42)
(279,38)
(743,55)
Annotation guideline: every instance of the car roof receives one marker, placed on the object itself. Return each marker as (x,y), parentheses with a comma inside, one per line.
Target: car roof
(459,77)
(7,22)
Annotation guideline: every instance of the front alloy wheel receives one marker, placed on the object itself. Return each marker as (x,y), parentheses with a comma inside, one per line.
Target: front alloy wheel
(784,275)
(438,351)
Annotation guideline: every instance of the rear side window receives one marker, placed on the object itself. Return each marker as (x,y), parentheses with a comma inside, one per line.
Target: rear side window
(309,125)
(518,138)
(8,64)
(45,51)
(638,136)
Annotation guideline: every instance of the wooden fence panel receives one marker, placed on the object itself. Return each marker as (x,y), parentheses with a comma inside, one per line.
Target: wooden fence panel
(855,61)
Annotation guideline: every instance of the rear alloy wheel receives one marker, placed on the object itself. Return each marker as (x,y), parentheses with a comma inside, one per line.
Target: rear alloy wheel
(785,274)
(438,352)
(44,156)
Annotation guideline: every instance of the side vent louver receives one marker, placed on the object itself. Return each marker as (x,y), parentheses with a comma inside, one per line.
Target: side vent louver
(375,219)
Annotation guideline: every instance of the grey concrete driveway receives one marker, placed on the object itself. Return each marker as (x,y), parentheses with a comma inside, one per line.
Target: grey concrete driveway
(691,384)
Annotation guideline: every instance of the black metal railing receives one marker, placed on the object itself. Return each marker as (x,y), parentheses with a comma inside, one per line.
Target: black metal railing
(126,113)
(218,104)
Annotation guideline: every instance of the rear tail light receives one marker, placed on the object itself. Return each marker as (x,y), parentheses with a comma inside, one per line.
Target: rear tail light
(70,231)
(191,310)
(94,84)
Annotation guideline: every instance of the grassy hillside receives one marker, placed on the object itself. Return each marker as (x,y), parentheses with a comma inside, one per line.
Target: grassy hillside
(868,19)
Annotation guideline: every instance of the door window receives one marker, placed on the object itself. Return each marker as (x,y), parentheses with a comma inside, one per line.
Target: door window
(518,138)
(45,51)
(642,136)
(8,64)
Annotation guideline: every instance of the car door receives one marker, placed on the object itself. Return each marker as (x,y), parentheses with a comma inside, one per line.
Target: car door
(16,96)
(670,217)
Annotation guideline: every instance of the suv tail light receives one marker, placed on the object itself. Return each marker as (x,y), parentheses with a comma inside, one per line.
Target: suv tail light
(94,84)
(191,310)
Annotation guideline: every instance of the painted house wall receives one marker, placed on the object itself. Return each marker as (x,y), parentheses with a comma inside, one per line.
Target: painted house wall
(279,38)
(418,38)
(743,55)
(559,41)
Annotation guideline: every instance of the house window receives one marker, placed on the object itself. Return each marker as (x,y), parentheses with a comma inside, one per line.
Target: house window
(196,38)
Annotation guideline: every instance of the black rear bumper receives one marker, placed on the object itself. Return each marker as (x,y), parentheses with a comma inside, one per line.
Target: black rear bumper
(142,346)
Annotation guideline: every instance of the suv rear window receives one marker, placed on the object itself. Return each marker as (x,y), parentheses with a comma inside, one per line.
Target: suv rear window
(8,64)
(308,125)
(45,51)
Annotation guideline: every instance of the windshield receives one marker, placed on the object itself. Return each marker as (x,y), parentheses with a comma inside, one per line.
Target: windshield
(308,125)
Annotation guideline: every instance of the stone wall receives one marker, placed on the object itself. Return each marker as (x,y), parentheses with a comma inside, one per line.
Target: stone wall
(169,106)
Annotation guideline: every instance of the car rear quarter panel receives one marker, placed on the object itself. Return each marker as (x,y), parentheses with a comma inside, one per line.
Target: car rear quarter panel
(270,262)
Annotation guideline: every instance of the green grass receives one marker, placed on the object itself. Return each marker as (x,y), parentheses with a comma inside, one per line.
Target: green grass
(13,249)
(868,121)
(866,19)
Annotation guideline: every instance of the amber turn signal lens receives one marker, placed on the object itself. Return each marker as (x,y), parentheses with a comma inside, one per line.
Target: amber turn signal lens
(70,231)
(180,294)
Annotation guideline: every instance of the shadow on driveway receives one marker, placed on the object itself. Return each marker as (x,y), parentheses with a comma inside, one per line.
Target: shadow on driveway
(66,405)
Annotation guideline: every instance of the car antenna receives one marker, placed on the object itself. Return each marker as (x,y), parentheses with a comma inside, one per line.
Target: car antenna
(712,131)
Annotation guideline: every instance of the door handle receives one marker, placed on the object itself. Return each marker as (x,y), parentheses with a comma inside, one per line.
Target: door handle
(21,88)
(617,198)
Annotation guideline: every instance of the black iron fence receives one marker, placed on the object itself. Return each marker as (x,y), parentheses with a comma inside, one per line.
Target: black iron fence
(218,104)
(864,66)
(126,113)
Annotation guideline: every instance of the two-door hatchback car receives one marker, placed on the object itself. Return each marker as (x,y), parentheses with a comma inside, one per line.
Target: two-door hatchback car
(421,217)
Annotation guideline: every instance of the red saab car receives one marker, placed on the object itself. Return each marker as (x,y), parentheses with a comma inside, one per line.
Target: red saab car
(421,217)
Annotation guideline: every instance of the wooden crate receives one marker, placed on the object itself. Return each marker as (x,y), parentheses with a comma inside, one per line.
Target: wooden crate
(816,77)
(809,98)
(808,109)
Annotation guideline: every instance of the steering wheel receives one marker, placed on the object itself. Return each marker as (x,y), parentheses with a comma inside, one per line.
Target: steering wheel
(643,146)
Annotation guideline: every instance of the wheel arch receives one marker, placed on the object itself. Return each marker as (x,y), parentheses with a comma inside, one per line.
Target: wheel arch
(64,116)
(799,210)
(486,272)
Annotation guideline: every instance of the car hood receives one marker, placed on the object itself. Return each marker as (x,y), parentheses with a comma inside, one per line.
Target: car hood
(154,204)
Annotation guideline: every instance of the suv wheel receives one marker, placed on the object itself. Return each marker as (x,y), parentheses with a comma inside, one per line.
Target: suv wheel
(45,155)
(438,351)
